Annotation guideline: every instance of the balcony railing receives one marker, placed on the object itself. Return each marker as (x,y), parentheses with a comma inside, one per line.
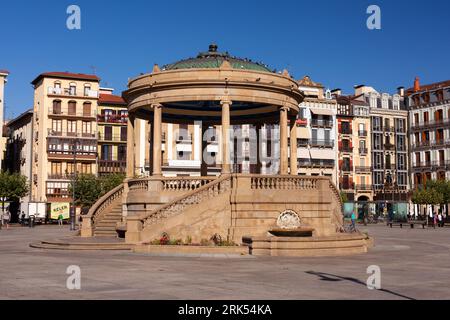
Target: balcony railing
(346,168)
(346,131)
(321,123)
(362,169)
(428,144)
(184,139)
(61,134)
(72,92)
(362,133)
(112,138)
(363,187)
(315,163)
(389,146)
(321,143)
(112,166)
(60,176)
(363,151)
(346,149)
(78,112)
(121,119)
(430,124)
(346,186)
(432,165)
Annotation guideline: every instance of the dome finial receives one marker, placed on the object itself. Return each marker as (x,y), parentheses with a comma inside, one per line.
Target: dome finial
(213,47)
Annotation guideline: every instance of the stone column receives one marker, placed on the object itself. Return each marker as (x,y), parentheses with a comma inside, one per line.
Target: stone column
(157,128)
(225,136)
(130,146)
(258,148)
(293,145)
(204,165)
(283,141)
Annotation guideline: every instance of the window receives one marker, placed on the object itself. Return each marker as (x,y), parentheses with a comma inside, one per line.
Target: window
(56,168)
(86,168)
(57,126)
(108,133)
(377,141)
(123,134)
(71,127)
(57,107)
(72,89)
(122,153)
(70,168)
(426,117)
(87,109)
(388,162)
(87,90)
(106,152)
(362,144)
(416,118)
(72,110)
(377,124)
(86,127)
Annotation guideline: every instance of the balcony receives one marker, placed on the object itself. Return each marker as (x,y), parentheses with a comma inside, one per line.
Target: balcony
(112,166)
(345,168)
(363,187)
(315,163)
(362,133)
(60,134)
(321,143)
(112,138)
(347,131)
(77,113)
(184,139)
(430,144)
(362,169)
(60,176)
(363,151)
(70,92)
(440,123)
(117,119)
(432,165)
(321,123)
(346,186)
(400,130)
(389,147)
(346,149)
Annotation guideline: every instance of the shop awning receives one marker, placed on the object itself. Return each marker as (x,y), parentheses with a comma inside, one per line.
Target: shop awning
(325,112)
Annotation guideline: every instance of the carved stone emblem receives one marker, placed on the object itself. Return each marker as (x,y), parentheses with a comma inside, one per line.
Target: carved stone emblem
(288,219)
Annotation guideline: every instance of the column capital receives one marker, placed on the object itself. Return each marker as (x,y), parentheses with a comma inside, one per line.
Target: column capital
(284,108)
(156,105)
(226,101)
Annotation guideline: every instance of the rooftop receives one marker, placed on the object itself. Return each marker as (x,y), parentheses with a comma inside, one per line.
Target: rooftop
(428,87)
(214,59)
(66,75)
(111,99)
(4,72)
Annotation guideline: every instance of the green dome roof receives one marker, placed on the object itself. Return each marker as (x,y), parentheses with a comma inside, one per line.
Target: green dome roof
(214,59)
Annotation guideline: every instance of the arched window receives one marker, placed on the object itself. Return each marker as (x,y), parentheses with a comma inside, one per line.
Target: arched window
(73,89)
(87,89)
(72,108)
(87,109)
(56,106)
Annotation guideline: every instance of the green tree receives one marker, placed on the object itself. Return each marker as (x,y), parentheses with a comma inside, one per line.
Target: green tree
(442,187)
(111,181)
(87,190)
(427,196)
(13,186)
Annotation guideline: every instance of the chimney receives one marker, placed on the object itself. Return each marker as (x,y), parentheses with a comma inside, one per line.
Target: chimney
(416,84)
(401,91)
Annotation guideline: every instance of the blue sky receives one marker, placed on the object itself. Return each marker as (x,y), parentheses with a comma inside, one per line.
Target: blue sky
(326,39)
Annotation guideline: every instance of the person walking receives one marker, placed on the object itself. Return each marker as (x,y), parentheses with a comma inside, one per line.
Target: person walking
(353,218)
(440,224)
(60,220)
(6,218)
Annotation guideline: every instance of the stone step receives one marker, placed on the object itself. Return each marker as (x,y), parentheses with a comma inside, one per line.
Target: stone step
(81,246)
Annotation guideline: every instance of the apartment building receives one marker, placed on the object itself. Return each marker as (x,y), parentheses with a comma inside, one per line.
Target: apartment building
(429,134)
(3,80)
(64,133)
(317,150)
(354,145)
(112,117)
(389,143)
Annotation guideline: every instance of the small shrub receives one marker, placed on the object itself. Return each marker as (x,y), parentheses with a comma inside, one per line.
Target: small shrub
(205,242)
(188,240)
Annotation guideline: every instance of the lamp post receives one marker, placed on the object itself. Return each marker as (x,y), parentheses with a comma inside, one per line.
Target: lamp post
(74,179)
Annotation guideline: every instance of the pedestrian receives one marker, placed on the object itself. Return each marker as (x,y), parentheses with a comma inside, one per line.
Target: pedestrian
(22,218)
(6,218)
(353,217)
(435,220)
(60,219)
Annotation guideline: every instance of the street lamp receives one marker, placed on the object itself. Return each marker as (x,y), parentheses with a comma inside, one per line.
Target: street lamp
(74,179)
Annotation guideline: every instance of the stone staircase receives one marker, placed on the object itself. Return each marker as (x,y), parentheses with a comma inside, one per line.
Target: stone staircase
(106,227)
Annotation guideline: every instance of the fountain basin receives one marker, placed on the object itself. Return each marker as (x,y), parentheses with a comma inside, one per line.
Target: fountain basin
(293,232)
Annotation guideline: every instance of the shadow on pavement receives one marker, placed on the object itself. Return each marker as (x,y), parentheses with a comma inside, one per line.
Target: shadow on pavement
(335,278)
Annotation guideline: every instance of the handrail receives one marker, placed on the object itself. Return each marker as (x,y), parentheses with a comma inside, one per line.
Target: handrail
(101,204)
(337,213)
(186,199)
(171,183)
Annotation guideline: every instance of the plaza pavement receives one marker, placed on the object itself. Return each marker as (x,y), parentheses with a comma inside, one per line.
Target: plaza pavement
(415,264)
